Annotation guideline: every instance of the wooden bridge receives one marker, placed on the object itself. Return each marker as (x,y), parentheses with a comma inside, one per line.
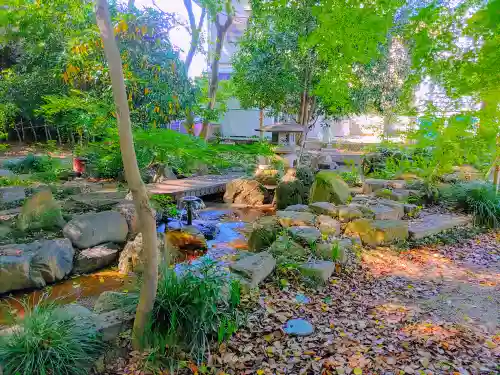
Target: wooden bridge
(198,186)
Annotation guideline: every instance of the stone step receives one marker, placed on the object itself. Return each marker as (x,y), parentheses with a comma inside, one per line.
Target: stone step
(435,223)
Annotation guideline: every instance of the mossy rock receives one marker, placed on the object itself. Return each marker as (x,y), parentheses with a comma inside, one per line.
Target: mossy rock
(284,249)
(264,233)
(40,211)
(378,232)
(329,187)
(289,193)
(306,175)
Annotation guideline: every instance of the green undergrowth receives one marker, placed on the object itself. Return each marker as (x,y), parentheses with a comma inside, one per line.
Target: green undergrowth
(49,342)
(448,237)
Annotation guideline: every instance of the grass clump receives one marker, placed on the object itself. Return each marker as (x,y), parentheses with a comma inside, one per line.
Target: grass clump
(32,164)
(192,310)
(477,198)
(49,341)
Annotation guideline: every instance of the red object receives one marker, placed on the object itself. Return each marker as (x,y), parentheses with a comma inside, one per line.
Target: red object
(79,165)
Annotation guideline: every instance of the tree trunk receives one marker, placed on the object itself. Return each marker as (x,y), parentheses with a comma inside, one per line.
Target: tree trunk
(261,124)
(34,132)
(22,131)
(132,174)
(195,31)
(18,134)
(59,139)
(214,80)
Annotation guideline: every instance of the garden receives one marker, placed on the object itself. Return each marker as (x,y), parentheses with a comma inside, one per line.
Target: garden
(127,247)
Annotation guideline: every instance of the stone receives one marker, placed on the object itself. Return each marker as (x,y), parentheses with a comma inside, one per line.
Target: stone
(5,231)
(185,243)
(398,206)
(336,251)
(290,193)
(264,233)
(378,232)
(372,185)
(462,173)
(157,173)
(6,173)
(12,194)
(100,199)
(327,225)
(248,192)
(324,208)
(298,208)
(128,211)
(298,327)
(95,258)
(286,248)
(79,186)
(292,218)
(35,264)
(436,223)
(40,211)
(383,212)
(412,210)
(130,259)
(110,300)
(318,269)
(305,235)
(355,190)
(349,213)
(329,187)
(92,229)
(110,324)
(267,176)
(254,268)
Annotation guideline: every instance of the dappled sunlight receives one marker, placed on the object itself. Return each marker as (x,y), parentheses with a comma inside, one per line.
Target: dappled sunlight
(394,313)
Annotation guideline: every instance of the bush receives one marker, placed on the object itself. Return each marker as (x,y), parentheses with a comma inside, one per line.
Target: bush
(32,164)
(49,342)
(477,198)
(192,310)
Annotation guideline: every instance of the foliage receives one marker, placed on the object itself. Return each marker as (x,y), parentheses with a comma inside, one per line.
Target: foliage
(32,164)
(477,198)
(448,237)
(192,309)
(49,341)
(165,204)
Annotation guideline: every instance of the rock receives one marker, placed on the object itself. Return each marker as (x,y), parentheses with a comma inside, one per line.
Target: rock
(267,176)
(100,199)
(242,191)
(254,268)
(40,211)
(399,207)
(371,185)
(6,173)
(185,243)
(285,248)
(35,264)
(324,208)
(305,235)
(12,194)
(298,208)
(336,251)
(378,232)
(97,257)
(436,223)
(349,213)
(298,327)
(127,210)
(290,193)
(319,269)
(92,229)
(411,210)
(383,212)
(328,225)
(397,194)
(157,173)
(355,190)
(110,300)
(329,187)
(79,186)
(292,218)
(130,259)
(5,231)
(264,233)
(462,173)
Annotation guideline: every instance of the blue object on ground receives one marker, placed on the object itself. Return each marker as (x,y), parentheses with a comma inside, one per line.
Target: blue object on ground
(298,327)
(301,298)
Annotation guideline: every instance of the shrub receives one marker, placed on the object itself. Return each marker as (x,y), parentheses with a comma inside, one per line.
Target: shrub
(477,198)
(32,164)
(48,341)
(193,309)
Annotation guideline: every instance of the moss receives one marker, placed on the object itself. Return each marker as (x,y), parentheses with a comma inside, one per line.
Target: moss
(290,193)
(329,187)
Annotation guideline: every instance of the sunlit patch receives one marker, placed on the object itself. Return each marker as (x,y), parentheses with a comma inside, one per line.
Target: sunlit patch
(393,313)
(446,336)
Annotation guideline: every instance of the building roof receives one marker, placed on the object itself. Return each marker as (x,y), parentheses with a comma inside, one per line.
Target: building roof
(286,127)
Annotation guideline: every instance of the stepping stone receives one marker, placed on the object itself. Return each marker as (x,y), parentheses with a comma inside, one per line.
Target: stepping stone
(328,225)
(324,208)
(320,269)
(298,327)
(254,268)
(383,212)
(12,194)
(292,218)
(436,223)
(100,199)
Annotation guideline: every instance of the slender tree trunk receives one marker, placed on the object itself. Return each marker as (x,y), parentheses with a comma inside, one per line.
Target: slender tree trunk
(18,134)
(22,131)
(59,139)
(34,132)
(261,124)
(195,31)
(132,174)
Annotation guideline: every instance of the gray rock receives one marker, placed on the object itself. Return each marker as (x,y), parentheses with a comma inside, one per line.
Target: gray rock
(97,257)
(110,300)
(131,258)
(436,223)
(127,209)
(12,194)
(319,269)
(298,208)
(100,199)
(349,213)
(254,268)
(412,210)
(328,225)
(292,218)
(298,327)
(92,229)
(35,264)
(6,173)
(242,191)
(304,234)
(378,232)
(383,212)
(371,185)
(324,208)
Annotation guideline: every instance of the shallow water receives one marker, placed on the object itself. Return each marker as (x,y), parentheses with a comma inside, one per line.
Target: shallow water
(232,224)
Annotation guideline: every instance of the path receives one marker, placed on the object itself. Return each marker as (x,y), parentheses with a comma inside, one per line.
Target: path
(197,186)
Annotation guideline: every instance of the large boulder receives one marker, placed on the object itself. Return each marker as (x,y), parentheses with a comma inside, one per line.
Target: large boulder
(267,176)
(40,211)
(324,208)
(96,257)
(92,229)
(329,187)
(255,268)
(349,213)
(35,264)
(127,209)
(264,233)
(186,243)
(384,212)
(292,218)
(11,195)
(248,192)
(436,223)
(378,232)
(290,193)
(131,257)
(327,225)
